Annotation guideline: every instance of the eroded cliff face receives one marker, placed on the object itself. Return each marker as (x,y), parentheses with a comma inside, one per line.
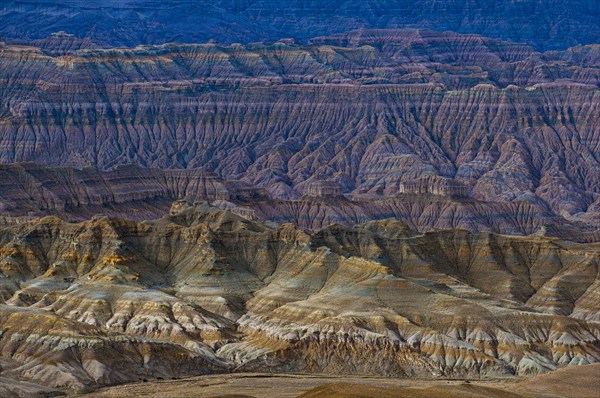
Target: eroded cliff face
(368,109)
(30,190)
(204,290)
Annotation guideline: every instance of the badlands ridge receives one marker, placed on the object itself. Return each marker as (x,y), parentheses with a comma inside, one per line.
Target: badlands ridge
(368,110)
(203,290)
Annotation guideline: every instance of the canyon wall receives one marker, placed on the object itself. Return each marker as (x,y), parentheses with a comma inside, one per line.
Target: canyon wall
(367,109)
(28,190)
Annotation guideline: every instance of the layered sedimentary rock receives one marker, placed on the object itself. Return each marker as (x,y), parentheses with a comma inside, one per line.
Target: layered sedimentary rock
(205,290)
(29,190)
(549,24)
(57,352)
(368,110)
(434,185)
(57,44)
(426,213)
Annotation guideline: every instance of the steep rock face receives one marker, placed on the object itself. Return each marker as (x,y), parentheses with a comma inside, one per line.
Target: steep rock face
(426,213)
(513,268)
(203,290)
(509,123)
(548,24)
(29,190)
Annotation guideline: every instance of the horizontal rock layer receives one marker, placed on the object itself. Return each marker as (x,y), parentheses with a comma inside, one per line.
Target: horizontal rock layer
(370,110)
(202,290)
(29,190)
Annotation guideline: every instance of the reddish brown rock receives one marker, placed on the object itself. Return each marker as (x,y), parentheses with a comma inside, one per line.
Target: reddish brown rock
(368,109)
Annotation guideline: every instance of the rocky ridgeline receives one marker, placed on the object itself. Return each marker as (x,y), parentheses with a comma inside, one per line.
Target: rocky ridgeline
(29,190)
(203,290)
(370,110)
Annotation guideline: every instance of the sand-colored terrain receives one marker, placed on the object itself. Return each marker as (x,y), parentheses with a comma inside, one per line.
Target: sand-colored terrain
(204,291)
(580,382)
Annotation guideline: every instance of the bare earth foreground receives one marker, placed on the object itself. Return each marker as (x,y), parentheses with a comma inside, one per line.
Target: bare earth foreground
(579,381)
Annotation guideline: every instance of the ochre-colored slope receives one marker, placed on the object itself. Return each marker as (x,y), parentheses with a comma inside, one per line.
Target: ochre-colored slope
(214,291)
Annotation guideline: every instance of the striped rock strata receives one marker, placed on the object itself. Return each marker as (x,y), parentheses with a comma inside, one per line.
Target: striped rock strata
(203,290)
